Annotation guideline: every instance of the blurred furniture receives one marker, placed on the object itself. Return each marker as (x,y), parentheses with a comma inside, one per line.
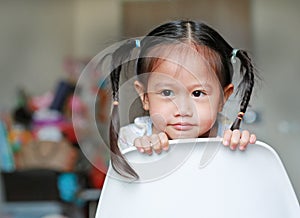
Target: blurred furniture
(36,193)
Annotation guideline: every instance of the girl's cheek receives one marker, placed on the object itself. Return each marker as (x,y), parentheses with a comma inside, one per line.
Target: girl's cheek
(209,109)
(159,121)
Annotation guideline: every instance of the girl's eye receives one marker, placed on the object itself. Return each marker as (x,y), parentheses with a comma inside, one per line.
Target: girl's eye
(167,93)
(198,93)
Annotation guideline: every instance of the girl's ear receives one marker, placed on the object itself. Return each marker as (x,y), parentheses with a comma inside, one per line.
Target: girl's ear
(227,91)
(140,89)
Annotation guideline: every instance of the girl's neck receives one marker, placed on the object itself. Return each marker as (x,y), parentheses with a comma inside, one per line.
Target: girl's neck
(213,132)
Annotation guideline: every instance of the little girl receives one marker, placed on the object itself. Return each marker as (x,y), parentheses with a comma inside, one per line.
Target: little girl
(184,77)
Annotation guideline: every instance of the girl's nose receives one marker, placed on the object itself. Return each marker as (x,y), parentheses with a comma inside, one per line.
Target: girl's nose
(183,107)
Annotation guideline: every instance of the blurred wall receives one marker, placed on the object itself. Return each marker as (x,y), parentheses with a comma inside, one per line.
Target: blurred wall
(276,39)
(37,35)
(96,26)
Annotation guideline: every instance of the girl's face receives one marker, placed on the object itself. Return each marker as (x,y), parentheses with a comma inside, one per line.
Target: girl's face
(183,100)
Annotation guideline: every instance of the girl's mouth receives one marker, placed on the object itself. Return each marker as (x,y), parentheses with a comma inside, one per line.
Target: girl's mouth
(182,126)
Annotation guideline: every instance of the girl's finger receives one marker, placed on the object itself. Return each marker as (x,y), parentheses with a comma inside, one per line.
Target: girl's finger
(164,141)
(235,139)
(146,144)
(155,142)
(138,144)
(227,137)
(252,138)
(245,138)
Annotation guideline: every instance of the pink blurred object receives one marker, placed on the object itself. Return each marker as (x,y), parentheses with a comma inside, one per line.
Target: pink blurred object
(77,105)
(41,102)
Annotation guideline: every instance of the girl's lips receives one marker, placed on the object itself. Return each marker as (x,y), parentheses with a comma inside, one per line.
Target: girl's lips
(182,126)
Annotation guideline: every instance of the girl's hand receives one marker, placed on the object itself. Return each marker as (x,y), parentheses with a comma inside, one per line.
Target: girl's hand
(156,142)
(237,138)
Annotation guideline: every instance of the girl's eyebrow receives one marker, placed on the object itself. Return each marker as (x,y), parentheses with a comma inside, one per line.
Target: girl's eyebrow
(205,86)
(164,84)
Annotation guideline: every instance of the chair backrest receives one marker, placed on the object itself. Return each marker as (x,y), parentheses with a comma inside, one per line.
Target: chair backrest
(201,178)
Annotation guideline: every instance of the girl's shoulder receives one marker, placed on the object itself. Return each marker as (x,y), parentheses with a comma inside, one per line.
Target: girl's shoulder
(224,120)
(140,127)
(224,123)
(142,121)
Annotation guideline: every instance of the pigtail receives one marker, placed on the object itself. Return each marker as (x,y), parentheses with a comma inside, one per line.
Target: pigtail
(119,163)
(246,85)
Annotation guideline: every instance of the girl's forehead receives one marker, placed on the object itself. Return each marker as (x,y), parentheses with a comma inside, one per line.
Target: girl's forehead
(193,58)
(168,71)
(182,62)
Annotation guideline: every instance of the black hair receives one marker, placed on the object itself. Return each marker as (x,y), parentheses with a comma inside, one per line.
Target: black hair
(119,163)
(193,33)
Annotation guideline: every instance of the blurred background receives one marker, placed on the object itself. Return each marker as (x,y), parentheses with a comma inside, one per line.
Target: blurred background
(44,45)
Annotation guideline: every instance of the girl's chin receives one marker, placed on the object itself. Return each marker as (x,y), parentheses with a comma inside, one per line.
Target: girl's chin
(181,135)
(187,134)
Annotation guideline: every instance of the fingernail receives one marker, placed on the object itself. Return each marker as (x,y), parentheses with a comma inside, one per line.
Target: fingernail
(165,148)
(242,148)
(226,143)
(142,150)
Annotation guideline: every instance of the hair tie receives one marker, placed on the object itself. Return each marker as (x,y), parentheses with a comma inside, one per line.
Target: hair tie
(240,115)
(137,43)
(233,55)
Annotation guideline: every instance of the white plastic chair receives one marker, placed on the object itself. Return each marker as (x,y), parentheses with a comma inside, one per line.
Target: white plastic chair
(201,178)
